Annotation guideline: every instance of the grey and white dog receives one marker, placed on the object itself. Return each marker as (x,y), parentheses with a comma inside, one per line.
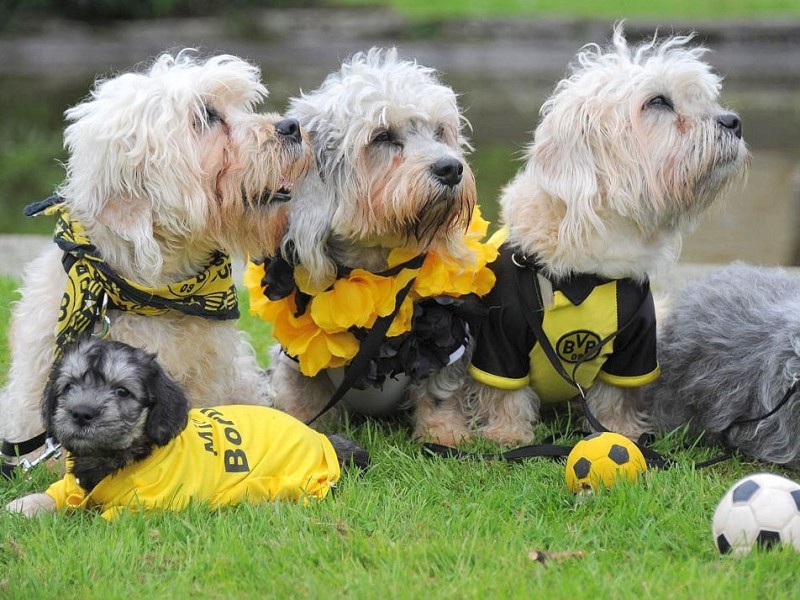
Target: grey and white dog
(391,173)
(729,351)
(111,405)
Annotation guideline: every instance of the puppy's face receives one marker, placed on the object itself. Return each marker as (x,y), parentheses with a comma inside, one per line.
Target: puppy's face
(390,153)
(177,157)
(638,134)
(106,397)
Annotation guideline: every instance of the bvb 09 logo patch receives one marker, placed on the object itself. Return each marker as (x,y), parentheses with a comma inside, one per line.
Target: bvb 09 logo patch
(577,345)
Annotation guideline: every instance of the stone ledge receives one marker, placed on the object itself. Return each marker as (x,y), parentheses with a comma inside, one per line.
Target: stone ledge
(16,250)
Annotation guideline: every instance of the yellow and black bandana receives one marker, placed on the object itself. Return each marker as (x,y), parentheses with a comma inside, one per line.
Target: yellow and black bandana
(93,286)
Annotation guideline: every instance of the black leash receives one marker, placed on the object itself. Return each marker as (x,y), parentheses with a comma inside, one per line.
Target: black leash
(789,393)
(514,455)
(729,452)
(369,346)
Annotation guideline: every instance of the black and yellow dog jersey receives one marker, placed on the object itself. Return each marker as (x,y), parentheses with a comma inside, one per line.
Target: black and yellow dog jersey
(599,328)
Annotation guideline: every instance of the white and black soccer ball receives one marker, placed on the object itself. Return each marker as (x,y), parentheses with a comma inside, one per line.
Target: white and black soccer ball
(761,509)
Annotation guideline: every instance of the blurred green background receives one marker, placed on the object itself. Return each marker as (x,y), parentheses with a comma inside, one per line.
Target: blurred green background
(502,57)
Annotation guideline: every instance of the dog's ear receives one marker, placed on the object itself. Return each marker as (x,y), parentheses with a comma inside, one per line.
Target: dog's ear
(169,407)
(131,218)
(565,166)
(50,397)
(306,243)
(105,153)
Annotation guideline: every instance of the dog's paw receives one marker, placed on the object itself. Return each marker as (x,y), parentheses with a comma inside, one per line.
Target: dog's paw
(509,436)
(443,434)
(32,504)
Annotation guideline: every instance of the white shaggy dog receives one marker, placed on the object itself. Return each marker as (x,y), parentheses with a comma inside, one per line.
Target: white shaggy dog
(169,170)
(632,146)
(391,178)
(730,353)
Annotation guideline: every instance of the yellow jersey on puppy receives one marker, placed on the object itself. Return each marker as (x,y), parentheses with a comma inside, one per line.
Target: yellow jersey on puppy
(226,455)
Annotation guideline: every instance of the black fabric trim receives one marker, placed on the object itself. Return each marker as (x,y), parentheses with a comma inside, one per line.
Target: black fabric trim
(578,287)
(34,208)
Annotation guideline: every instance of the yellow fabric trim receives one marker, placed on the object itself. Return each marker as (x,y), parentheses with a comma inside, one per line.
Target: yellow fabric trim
(629,382)
(503,383)
(320,337)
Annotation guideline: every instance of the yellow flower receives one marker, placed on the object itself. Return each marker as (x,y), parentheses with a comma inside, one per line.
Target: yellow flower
(353,302)
(301,337)
(442,276)
(304,283)
(320,338)
(253,274)
(402,320)
(326,351)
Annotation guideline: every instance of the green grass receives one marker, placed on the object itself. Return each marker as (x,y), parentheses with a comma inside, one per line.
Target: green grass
(713,9)
(410,527)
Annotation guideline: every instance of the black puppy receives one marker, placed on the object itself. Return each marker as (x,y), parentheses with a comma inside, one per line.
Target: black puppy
(133,440)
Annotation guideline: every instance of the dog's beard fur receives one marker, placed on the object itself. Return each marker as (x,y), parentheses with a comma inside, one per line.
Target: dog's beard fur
(109,405)
(400,202)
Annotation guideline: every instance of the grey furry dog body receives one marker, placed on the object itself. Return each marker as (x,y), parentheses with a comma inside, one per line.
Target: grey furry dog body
(729,351)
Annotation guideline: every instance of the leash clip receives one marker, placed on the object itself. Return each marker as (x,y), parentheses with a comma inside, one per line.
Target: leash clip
(521,262)
(105,321)
(51,449)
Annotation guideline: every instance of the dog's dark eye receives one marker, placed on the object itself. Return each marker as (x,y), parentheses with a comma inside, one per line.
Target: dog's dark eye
(212,116)
(382,137)
(122,392)
(207,118)
(659,101)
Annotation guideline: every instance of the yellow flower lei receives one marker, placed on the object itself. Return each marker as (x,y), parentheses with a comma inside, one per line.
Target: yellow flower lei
(320,337)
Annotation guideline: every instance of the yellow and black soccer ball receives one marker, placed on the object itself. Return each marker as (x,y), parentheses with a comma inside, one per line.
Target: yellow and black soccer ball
(601,459)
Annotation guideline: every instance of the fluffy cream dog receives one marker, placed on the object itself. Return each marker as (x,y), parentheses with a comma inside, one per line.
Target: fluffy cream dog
(632,146)
(169,171)
(391,185)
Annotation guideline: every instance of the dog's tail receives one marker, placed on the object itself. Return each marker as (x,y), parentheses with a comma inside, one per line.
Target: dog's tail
(349,453)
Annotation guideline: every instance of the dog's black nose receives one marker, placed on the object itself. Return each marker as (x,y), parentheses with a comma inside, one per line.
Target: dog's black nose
(83,414)
(289,129)
(448,170)
(731,121)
